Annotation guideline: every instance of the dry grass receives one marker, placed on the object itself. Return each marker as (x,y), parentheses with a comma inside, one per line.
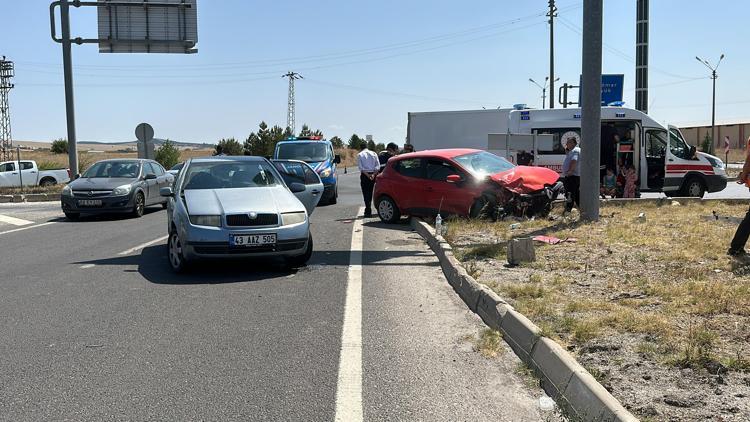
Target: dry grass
(47,159)
(489,343)
(667,279)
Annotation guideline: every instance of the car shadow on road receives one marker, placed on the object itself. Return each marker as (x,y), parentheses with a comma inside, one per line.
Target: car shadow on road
(85,218)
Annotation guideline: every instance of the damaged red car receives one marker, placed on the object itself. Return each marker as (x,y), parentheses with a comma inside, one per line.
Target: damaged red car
(462,182)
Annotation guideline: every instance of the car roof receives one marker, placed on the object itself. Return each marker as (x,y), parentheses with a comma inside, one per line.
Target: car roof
(140,160)
(304,141)
(441,153)
(218,158)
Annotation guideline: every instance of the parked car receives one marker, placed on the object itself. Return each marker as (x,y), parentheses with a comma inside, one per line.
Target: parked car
(116,186)
(238,206)
(175,170)
(462,182)
(30,174)
(319,154)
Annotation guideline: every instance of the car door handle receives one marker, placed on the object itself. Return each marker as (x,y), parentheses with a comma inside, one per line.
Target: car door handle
(315,192)
(671,159)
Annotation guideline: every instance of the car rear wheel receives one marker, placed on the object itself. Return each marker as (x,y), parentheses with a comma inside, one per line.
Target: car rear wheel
(47,181)
(139,205)
(301,260)
(72,216)
(335,197)
(176,258)
(387,210)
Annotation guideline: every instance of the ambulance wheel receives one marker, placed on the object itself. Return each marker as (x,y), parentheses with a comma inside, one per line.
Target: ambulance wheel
(694,187)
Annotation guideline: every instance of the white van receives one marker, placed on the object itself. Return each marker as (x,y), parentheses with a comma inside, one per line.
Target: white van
(660,156)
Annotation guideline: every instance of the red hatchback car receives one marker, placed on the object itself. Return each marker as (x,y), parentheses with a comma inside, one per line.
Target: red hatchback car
(460,182)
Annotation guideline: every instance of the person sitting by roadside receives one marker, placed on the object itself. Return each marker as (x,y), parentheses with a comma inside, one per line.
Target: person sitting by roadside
(609,184)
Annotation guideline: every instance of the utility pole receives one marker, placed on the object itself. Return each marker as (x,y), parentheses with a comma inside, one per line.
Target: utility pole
(290,104)
(641,56)
(714,76)
(591,109)
(6,140)
(552,14)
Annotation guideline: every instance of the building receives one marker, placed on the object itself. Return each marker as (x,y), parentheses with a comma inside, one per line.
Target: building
(737,132)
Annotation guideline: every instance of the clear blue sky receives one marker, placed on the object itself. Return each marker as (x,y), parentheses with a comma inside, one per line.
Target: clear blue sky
(366,65)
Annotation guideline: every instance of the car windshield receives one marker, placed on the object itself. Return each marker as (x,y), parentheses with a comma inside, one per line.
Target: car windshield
(106,169)
(303,151)
(229,174)
(483,163)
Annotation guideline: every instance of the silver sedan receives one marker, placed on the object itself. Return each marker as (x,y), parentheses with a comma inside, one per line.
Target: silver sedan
(234,207)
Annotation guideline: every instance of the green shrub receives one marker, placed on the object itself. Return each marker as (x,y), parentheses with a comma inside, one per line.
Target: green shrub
(59,146)
(167,155)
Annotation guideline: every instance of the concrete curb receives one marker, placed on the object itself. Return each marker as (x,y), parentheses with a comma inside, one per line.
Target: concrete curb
(30,197)
(574,389)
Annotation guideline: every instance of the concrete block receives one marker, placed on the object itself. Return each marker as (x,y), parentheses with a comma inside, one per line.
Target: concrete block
(520,334)
(6,198)
(491,308)
(469,290)
(18,198)
(521,250)
(592,402)
(553,365)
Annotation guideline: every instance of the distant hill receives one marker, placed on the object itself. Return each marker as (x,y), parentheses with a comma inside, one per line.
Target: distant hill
(110,146)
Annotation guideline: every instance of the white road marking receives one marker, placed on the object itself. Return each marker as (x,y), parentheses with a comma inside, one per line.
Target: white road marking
(28,227)
(85,266)
(349,388)
(14,221)
(141,246)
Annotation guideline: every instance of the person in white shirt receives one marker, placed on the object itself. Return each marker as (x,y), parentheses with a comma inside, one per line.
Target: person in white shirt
(368,164)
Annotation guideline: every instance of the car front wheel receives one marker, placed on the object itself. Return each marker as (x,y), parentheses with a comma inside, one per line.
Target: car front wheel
(176,258)
(387,210)
(139,205)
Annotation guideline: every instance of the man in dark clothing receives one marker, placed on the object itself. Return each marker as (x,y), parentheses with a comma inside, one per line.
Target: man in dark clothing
(608,149)
(390,151)
(737,248)
(524,158)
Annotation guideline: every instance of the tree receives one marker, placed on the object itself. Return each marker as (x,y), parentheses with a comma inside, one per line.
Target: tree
(379,147)
(167,155)
(264,141)
(228,146)
(288,133)
(305,131)
(337,142)
(706,144)
(318,132)
(355,142)
(371,145)
(59,146)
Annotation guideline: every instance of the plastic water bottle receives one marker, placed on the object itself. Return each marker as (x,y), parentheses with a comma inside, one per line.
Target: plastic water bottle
(438,225)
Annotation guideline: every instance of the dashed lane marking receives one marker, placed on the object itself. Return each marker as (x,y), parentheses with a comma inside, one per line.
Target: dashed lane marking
(14,221)
(27,227)
(143,245)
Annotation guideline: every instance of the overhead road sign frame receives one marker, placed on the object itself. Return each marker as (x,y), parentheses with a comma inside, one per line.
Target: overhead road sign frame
(165,26)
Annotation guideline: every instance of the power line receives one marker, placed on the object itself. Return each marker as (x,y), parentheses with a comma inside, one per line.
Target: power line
(7,72)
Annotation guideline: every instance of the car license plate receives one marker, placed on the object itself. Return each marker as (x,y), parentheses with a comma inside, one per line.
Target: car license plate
(89,202)
(252,239)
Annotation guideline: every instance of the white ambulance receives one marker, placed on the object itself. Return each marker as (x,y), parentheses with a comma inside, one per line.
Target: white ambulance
(660,155)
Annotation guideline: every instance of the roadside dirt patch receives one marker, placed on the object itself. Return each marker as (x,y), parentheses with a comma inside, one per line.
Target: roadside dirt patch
(652,306)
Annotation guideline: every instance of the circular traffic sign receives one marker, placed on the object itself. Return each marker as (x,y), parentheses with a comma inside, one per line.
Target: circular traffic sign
(144,132)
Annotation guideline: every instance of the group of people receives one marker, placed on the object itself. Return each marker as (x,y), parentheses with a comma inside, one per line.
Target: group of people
(370,164)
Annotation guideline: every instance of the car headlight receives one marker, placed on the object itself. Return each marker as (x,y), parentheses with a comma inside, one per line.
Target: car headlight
(325,173)
(67,191)
(121,190)
(206,220)
(289,218)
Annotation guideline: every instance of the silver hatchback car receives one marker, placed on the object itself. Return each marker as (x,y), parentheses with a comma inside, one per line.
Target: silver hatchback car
(234,207)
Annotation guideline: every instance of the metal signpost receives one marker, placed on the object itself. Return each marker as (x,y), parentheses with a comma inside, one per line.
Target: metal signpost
(125,26)
(145,134)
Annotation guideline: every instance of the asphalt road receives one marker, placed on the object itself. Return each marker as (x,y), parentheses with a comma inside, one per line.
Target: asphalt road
(96,327)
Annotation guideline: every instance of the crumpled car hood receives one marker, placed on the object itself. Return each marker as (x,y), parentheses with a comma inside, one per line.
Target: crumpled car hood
(526,179)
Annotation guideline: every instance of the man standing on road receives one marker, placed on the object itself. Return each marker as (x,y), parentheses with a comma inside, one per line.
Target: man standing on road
(737,247)
(390,151)
(368,164)
(571,174)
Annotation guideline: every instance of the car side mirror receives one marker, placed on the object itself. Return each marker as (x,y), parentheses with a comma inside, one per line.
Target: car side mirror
(337,159)
(150,176)
(692,151)
(166,191)
(297,187)
(454,178)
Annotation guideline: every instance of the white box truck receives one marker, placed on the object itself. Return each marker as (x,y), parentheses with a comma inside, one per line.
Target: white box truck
(659,154)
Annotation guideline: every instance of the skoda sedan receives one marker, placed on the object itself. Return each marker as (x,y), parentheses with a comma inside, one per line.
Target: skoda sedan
(238,207)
